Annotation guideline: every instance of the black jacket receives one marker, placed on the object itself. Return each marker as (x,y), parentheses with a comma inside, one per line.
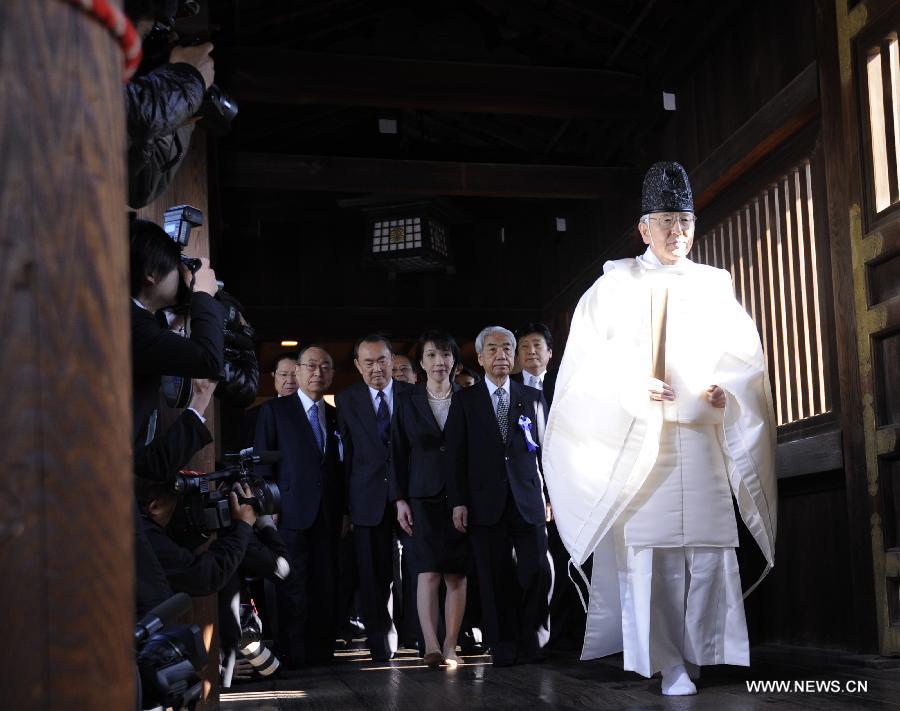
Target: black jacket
(158,106)
(203,573)
(366,457)
(306,477)
(484,469)
(419,460)
(157,351)
(171,450)
(263,551)
(549,384)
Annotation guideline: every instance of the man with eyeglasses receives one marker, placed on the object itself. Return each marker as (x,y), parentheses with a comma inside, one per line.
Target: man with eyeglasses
(403,370)
(663,412)
(284,378)
(364,413)
(303,427)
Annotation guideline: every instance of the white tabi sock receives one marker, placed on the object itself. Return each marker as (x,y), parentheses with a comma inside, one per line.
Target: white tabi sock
(676,682)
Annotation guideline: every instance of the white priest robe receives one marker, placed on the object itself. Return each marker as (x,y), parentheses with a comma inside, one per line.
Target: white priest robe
(646,486)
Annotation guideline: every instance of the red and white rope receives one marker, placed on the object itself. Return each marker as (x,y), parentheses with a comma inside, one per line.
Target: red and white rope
(119,26)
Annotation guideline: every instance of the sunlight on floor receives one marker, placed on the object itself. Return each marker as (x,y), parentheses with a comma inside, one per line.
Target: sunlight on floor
(261,695)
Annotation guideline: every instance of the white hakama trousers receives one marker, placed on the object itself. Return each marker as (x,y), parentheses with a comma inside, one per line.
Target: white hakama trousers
(681,605)
(667,573)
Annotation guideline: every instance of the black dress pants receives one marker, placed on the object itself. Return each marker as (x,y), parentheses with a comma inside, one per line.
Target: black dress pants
(307,597)
(567,616)
(513,593)
(375,566)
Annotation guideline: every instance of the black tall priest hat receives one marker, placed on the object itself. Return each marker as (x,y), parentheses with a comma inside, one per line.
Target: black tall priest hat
(666,189)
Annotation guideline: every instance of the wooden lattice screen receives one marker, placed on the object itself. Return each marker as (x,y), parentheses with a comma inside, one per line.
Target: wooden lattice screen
(769,246)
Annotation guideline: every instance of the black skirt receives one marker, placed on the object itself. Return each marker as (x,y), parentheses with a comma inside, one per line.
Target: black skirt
(435,545)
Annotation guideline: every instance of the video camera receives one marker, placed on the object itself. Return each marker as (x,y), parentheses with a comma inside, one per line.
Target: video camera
(218,109)
(204,508)
(169,657)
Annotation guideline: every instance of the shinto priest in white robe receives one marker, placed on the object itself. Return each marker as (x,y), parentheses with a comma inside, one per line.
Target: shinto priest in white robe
(646,486)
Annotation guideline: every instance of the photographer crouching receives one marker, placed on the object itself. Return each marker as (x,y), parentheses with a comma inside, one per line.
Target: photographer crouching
(210,531)
(207,569)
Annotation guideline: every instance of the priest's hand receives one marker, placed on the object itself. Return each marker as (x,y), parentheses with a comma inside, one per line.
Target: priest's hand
(548,512)
(660,390)
(460,518)
(404,516)
(716,396)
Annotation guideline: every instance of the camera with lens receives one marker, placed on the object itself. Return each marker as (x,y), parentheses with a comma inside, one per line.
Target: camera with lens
(204,505)
(169,657)
(252,646)
(239,381)
(218,109)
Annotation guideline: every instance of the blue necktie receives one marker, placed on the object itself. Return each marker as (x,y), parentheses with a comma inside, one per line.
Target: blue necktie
(316,427)
(383,416)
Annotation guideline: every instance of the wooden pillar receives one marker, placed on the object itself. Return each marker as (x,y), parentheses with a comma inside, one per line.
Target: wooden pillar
(860,239)
(66,585)
(189,186)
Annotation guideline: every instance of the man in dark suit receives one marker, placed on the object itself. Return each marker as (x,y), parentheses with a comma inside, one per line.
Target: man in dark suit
(567,618)
(284,378)
(496,491)
(364,413)
(303,427)
(534,351)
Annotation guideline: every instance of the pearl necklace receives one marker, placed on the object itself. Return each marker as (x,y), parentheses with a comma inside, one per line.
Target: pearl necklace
(439,397)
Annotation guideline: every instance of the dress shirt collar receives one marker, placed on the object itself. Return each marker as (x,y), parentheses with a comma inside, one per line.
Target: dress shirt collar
(493,388)
(308,402)
(388,395)
(526,376)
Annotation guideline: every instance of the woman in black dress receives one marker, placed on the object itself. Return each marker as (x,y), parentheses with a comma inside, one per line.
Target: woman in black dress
(418,480)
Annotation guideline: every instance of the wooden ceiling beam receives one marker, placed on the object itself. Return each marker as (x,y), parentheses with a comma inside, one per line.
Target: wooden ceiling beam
(287,77)
(326,322)
(379,175)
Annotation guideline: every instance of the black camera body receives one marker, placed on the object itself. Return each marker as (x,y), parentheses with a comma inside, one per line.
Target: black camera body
(169,665)
(169,657)
(218,109)
(204,505)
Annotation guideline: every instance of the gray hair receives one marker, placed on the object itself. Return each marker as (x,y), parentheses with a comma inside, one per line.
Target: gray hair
(485,332)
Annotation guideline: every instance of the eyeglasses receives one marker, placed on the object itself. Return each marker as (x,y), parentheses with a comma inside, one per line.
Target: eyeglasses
(313,367)
(667,222)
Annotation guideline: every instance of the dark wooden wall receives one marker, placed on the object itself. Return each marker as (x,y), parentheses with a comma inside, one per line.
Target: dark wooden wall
(750,61)
(66,523)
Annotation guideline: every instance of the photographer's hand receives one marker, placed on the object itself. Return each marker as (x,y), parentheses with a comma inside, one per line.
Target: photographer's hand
(242,512)
(198,57)
(202,392)
(204,278)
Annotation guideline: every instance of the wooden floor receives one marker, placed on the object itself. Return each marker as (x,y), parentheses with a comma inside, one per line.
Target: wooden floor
(355,683)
